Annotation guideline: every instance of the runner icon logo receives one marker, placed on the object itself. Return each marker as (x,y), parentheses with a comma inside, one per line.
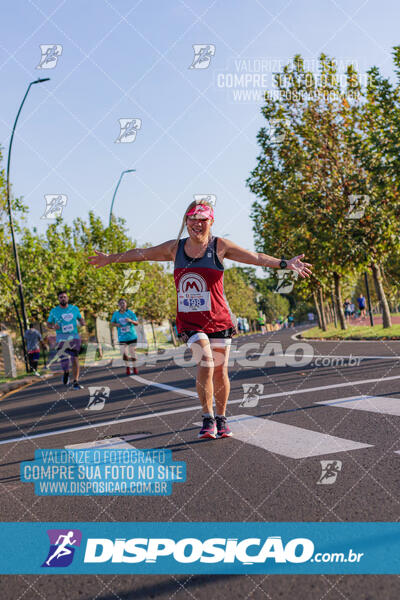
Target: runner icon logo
(97,397)
(357,207)
(330,470)
(50,55)
(128,130)
(55,204)
(210,198)
(251,394)
(202,56)
(286,279)
(63,543)
(132,280)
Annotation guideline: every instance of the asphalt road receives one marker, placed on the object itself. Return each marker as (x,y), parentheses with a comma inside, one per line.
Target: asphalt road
(325,407)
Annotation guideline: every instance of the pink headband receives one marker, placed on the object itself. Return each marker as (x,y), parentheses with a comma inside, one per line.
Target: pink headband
(202,210)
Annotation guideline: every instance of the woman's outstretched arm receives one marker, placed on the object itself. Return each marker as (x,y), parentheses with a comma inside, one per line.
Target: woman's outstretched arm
(165,251)
(228,249)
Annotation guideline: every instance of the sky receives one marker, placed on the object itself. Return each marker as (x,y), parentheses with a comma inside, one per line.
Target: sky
(195,131)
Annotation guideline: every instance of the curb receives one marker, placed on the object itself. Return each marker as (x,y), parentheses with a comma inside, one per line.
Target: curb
(15,385)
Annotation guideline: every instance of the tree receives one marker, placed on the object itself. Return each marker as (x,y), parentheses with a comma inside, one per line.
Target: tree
(307,175)
(240,295)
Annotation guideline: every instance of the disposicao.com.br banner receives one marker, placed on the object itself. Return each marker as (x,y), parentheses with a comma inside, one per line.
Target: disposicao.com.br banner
(208,548)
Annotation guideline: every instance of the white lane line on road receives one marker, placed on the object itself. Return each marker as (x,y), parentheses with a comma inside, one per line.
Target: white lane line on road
(164,386)
(286,354)
(115,442)
(376,404)
(189,408)
(287,440)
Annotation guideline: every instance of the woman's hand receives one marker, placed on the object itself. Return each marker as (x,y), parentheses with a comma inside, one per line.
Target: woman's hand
(302,268)
(100,260)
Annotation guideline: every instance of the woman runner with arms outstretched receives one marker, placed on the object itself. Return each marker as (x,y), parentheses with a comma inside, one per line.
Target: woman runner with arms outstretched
(204,320)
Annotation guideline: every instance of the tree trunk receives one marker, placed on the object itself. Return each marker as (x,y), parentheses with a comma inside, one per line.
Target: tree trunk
(172,332)
(154,335)
(315,297)
(338,300)
(334,308)
(322,309)
(380,292)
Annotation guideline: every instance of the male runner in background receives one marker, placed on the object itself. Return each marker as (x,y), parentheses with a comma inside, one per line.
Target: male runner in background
(125,321)
(63,318)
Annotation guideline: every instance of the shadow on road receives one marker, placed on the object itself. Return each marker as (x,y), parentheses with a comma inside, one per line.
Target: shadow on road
(168,589)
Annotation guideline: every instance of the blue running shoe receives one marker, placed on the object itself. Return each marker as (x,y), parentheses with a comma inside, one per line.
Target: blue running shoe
(208,429)
(223,428)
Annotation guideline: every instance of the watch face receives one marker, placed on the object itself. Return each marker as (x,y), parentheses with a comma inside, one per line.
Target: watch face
(283,264)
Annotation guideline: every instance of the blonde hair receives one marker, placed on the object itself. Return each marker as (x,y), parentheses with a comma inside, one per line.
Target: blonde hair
(191,205)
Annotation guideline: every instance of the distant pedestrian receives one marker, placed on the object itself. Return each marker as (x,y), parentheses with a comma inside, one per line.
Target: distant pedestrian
(291,320)
(125,320)
(33,341)
(361,306)
(346,306)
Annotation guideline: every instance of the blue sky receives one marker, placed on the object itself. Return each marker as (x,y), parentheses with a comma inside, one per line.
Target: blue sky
(130,59)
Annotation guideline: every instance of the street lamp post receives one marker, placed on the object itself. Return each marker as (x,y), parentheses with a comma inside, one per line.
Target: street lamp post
(10,215)
(116,189)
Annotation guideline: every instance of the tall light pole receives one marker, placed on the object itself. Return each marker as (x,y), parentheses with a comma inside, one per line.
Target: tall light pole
(10,215)
(116,189)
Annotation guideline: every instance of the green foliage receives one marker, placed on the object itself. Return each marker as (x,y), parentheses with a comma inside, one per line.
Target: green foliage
(57,260)
(240,295)
(274,305)
(328,144)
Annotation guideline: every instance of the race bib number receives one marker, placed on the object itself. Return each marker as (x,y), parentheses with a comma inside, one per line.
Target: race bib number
(194,301)
(67,328)
(125,329)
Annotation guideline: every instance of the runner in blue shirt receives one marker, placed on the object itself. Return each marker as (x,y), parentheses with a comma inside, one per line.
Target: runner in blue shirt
(361,306)
(125,321)
(63,318)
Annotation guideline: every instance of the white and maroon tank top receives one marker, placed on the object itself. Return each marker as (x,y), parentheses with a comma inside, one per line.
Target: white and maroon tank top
(201,302)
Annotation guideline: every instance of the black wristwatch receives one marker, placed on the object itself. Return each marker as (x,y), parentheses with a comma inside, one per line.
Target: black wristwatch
(283,263)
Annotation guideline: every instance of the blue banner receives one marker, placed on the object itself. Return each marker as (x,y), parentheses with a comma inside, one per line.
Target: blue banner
(210,548)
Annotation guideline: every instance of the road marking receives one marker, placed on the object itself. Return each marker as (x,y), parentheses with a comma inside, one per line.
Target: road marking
(161,414)
(116,442)
(164,386)
(330,387)
(355,356)
(376,404)
(287,440)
